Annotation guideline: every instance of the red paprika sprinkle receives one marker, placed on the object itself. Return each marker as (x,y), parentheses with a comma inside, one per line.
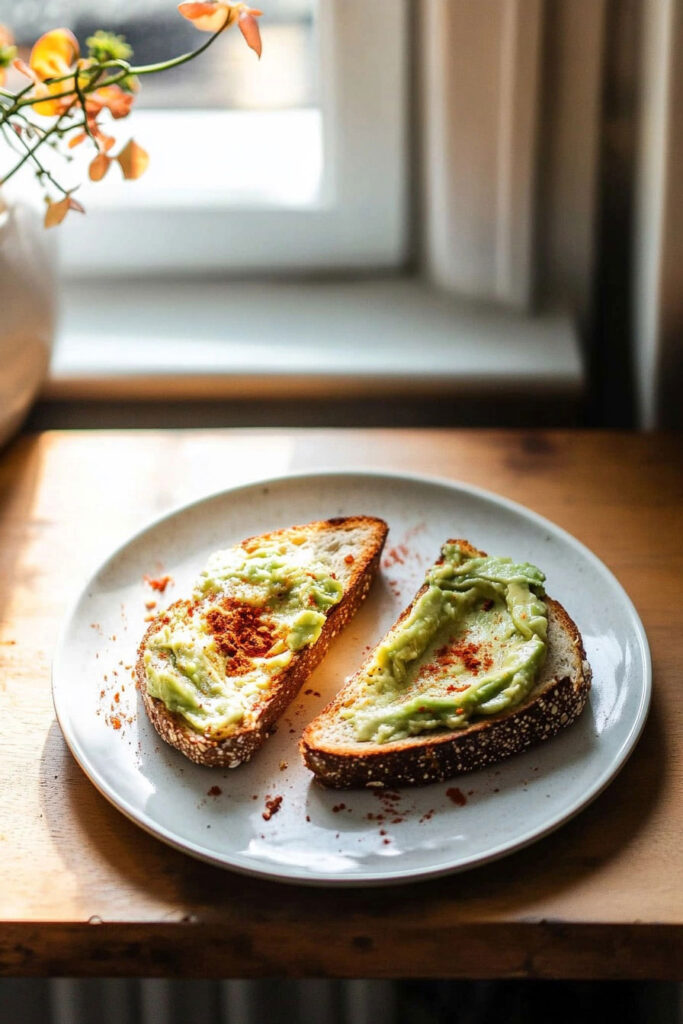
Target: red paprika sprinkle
(159,582)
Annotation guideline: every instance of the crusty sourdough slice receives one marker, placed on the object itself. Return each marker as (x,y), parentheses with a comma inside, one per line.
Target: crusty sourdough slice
(351,548)
(338,760)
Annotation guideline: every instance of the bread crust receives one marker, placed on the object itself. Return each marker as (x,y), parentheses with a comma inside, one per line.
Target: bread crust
(443,755)
(233,750)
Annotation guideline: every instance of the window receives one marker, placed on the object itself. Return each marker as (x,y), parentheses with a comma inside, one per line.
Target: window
(298,166)
(296,162)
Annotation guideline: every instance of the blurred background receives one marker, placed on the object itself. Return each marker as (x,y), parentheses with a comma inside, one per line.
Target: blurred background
(439,212)
(409,212)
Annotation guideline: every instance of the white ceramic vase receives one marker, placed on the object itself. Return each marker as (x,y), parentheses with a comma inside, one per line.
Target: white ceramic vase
(27,307)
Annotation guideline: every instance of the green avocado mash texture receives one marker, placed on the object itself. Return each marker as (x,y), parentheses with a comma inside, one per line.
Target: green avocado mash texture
(472,646)
(185,666)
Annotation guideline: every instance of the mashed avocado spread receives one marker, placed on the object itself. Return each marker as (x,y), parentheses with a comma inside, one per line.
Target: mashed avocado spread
(214,657)
(472,646)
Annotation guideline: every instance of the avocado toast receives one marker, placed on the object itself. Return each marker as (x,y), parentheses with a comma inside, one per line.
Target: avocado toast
(481,665)
(216,670)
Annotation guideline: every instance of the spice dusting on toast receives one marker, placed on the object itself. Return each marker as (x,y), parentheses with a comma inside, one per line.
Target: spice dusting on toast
(481,665)
(241,632)
(217,670)
(158,583)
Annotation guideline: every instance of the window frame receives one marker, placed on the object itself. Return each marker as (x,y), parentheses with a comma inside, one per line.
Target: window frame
(359,219)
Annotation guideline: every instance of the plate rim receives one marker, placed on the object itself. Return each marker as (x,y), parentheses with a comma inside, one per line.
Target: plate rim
(291,874)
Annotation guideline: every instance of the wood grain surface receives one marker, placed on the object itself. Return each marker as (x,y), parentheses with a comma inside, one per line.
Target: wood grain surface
(85,892)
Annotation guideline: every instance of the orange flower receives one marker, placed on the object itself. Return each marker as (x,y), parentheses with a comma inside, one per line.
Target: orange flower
(53,56)
(57,210)
(218,14)
(133,160)
(104,142)
(113,97)
(76,140)
(99,167)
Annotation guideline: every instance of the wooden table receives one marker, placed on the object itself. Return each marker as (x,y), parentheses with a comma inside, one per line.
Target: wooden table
(85,892)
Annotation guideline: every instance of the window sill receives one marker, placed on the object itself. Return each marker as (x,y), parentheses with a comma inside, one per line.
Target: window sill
(170,340)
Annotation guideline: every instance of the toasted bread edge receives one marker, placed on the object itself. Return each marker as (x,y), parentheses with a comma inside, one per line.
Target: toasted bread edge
(243,744)
(444,755)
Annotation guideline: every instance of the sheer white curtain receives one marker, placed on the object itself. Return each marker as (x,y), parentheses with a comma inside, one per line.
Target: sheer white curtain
(658,285)
(510,121)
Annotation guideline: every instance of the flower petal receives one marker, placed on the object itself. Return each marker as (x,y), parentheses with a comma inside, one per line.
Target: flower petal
(51,108)
(56,212)
(210,17)
(58,209)
(133,160)
(105,142)
(76,140)
(117,102)
(23,68)
(54,53)
(99,167)
(250,30)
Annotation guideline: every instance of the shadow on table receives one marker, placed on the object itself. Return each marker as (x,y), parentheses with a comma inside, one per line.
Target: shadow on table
(107,853)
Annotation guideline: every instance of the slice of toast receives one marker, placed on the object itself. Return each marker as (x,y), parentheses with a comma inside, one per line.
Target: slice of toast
(338,759)
(348,548)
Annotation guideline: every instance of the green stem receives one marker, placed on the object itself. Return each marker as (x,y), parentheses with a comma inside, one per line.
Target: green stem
(30,124)
(25,158)
(10,137)
(8,112)
(93,73)
(30,151)
(126,69)
(174,62)
(81,100)
(20,99)
(32,100)
(30,155)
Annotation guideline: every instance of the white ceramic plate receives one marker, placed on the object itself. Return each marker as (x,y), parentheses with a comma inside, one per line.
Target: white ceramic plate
(346,837)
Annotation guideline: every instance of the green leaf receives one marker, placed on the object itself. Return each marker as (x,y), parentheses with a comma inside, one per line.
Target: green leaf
(104,46)
(7,55)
